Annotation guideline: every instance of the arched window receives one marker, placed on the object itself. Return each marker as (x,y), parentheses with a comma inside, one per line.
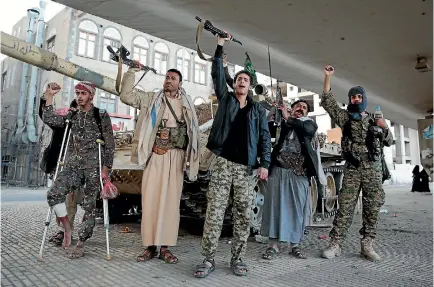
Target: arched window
(87,39)
(199,101)
(140,49)
(199,70)
(183,61)
(161,56)
(107,101)
(112,37)
(51,42)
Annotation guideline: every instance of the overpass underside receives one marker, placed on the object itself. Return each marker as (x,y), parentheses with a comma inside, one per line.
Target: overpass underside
(372,43)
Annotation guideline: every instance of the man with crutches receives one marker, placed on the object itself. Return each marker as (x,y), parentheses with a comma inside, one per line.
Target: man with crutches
(52,157)
(85,160)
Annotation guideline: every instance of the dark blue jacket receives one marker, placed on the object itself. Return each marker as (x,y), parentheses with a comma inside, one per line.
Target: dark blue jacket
(258,137)
(305,131)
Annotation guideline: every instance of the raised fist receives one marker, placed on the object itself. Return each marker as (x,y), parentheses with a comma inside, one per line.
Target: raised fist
(329,70)
(52,89)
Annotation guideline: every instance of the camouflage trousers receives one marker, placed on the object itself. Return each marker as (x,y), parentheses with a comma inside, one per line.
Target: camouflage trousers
(369,180)
(71,178)
(225,174)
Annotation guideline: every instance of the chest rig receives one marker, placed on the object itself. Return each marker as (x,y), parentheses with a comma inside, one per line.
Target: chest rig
(361,141)
(170,137)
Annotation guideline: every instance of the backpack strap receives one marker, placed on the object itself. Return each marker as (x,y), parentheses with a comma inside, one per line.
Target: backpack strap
(99,114)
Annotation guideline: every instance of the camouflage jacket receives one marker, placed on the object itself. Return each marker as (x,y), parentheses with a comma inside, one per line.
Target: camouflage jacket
(85,132)
(360,143)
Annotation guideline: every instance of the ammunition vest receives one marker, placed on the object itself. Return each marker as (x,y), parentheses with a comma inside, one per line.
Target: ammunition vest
(361,141)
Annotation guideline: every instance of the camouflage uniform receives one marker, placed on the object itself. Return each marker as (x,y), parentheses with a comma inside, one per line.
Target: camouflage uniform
(367,176)
(225,173)
(82,162)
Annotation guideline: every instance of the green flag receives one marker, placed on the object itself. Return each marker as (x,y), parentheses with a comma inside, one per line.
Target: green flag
(248,66)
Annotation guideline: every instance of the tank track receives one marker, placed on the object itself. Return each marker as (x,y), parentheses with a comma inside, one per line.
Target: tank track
(326,214)
(334,169)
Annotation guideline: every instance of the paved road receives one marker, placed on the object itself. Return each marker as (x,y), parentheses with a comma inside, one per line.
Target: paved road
(405,243)
(23,194)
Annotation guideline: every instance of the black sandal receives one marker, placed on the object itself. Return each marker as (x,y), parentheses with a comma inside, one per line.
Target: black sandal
(270,253)
(57,238)
(148,254)
(296,251)
(204,268)
(168,257)
(239,268)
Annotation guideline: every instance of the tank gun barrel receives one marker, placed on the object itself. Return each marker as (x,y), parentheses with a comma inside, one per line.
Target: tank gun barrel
(33,55)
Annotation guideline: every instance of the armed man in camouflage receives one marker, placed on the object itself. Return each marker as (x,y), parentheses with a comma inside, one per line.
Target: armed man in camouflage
(238,137)
(88,124)
(363,138)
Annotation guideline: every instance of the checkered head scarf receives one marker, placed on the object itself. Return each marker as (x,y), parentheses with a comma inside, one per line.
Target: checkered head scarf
(86,86)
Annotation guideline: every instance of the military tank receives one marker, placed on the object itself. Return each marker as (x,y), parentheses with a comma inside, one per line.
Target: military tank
(127,177)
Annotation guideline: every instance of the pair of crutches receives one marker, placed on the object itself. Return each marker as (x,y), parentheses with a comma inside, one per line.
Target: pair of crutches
(61,162)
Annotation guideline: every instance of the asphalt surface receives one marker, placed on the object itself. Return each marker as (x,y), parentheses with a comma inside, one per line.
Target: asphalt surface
(405,242)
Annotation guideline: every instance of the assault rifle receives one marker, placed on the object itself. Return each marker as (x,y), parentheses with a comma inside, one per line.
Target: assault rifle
(123,54)
(279,102)
(207,25)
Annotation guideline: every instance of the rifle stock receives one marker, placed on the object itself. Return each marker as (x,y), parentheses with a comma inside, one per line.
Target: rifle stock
(279,102)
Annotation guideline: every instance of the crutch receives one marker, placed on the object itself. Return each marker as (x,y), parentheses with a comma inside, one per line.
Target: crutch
(60,161)
(105,201)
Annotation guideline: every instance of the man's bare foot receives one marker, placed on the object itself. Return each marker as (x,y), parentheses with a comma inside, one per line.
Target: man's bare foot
(67,235)
(77,251)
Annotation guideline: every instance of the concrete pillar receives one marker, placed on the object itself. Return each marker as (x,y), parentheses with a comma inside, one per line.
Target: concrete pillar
(388,153)
(414,147)
(399,144)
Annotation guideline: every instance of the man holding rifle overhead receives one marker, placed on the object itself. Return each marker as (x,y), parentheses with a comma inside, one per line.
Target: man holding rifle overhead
(239,136)
(166,143)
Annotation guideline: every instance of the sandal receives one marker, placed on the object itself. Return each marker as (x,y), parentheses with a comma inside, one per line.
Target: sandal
(204,268)
(148,254)
(239,268)
(296,251)
(168,257)
(57,238)
(76,252)
(270,253)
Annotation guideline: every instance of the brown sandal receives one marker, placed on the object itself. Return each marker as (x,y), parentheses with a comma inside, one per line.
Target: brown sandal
(76,252)
(57,238)
(148,254)
(168,257)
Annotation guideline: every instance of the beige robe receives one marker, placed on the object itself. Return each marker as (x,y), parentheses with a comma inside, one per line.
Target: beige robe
(161,190)
(163,175)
